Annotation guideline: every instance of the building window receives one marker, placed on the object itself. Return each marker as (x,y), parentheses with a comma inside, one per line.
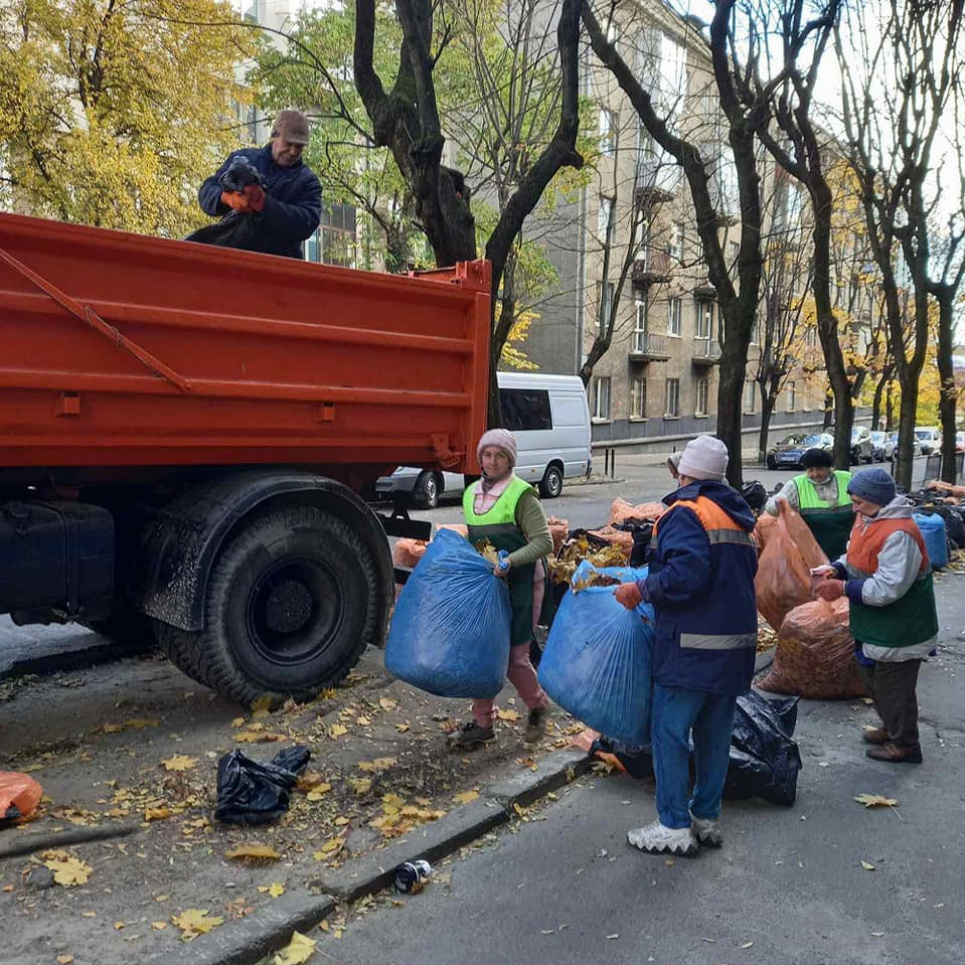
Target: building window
(638,399)
(603,220)
(601,397)
(672,409)
(640,320)
(676,247)
(675,310)
(607,291)
(750,397)
(703,396)
(333,242)
(791,397)
(756,331)
(673,75)
(811,336)
(607,132)
(705,318)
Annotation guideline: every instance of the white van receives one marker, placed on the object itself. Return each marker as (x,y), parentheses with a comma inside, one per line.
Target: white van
(550,418)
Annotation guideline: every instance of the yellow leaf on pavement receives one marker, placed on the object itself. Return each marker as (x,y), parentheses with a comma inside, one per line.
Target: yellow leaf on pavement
(875,800)
(261,852)
(340,822)
(68,870)
(261,703)
(867,865)
(362,721)
(157,814)
(180,762)
(275,889)
(361,785)
(139,723)
(296,952)
(112,728)
(64,959)
(508,714)
(329,849)
(238,722)
(319,791)
(337,730)
(378,765)
(195,921)
(466,797)
(387,703)
(401,728)
(159,925)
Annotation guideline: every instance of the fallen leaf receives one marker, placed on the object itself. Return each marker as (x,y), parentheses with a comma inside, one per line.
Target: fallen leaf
(159,925)
(336,731)
(386,703)
(875,800)
(180,762)
(466,797)
(195,921)
(361,785)
(238,722)
(88,914)
(118,925)
(261,703)
(65,959)
(340,822)
(262,852)
(68,870)
(296,952)
(362,721)
(329,849)
(7,888)
(112,728)
(319,791)
(510,715)
(401,728)
(867,865)
(139,723)
(378,765)
(157,814)
(276,889)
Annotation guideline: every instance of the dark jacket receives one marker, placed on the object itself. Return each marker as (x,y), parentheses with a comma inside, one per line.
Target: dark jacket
(293,204)
(701,584)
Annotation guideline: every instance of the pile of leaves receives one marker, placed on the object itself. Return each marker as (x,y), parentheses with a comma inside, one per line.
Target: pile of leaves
(574,551)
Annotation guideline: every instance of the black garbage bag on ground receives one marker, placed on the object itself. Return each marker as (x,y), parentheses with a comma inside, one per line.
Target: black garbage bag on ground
(250,792)
(764,759)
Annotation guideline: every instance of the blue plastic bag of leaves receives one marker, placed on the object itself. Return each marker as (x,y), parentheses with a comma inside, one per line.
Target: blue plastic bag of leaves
(451,628)
(596,664)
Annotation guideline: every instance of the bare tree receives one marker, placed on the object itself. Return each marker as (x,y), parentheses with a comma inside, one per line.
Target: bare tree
(730,63)
(895,91)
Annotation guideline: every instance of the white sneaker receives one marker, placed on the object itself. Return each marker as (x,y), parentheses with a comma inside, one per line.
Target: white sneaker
(656,839)
(707,831)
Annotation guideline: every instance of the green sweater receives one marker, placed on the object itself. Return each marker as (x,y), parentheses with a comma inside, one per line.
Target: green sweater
(531,519)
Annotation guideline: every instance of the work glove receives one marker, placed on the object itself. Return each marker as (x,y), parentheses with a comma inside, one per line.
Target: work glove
(830,590)
(628,595)
(255,194)
(237,201)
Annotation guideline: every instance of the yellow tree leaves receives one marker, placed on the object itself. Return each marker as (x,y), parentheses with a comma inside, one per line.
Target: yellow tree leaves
(875,800)
(112,114)
(68,870)
(296,952)
(257,852)
(195,921)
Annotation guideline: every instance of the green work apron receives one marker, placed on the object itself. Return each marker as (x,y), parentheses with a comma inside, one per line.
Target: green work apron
(904,623)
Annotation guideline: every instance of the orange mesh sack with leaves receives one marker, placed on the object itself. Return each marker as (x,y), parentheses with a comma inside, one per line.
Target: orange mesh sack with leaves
(783,579)
(621,511)
(763,529)
(408,552)
(815,654)
(19,795)
(559,530)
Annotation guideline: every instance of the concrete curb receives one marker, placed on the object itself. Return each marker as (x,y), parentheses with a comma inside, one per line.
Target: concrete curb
(246,941)
(606,481)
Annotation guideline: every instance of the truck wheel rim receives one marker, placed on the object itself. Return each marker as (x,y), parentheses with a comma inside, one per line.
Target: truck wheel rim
(294,611)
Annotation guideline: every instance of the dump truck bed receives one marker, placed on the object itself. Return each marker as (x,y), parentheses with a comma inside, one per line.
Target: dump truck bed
(125,350)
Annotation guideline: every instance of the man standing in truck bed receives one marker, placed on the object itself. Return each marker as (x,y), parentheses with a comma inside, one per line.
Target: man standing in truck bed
(281,208)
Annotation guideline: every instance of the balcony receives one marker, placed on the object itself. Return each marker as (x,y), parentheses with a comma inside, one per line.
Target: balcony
(648,348)
(706,352)
(652,183)
(652,267)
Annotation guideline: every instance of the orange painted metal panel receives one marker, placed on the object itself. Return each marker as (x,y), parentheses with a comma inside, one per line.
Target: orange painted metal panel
(124,350)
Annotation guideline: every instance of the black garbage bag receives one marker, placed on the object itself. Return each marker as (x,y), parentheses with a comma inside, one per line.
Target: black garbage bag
(764,759)
(250,792)
(234,230)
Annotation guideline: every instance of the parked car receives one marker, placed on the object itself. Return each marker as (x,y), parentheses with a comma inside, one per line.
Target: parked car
(550,418)
(960,441)
(884,447)
(930,438)
(862,448)
(788,452)
(915,444)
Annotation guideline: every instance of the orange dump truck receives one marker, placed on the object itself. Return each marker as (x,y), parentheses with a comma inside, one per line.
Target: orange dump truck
(185,432)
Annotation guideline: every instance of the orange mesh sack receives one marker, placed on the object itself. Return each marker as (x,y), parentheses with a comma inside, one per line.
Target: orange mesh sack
(461,528)
(19,795)
(621,511)
(559,530)
(783,580)
(763,529)
(815,654)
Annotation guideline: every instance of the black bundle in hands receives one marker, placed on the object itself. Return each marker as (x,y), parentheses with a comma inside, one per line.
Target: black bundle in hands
(241,172)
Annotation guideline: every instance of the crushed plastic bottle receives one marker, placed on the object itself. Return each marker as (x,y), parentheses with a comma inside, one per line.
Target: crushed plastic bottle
(412,876)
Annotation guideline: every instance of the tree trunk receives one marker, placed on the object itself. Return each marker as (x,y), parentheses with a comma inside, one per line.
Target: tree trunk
(906,434)
(946,373)
(876,406)
(829,412)
(890,405)
(768,403)
(730,396)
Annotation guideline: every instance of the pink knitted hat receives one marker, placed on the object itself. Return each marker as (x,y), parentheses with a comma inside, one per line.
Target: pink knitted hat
(503,439)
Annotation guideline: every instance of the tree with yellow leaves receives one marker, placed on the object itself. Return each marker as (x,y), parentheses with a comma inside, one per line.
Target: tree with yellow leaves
(112,113)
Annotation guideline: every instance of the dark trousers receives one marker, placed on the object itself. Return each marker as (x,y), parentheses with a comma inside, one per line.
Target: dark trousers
(892,688)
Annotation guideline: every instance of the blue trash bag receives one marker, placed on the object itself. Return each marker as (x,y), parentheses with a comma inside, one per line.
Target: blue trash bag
(596,664)
(451,628)
(936,542)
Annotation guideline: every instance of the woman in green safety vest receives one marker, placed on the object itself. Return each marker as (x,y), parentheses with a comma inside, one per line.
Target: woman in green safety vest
(506,511)
(820,495)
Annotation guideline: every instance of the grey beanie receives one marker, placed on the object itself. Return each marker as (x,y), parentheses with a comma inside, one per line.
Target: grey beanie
(875,485)
(704,458)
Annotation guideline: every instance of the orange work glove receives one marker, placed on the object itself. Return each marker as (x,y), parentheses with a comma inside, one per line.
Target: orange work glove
(237,201)
(830,590)
(628,595)
(255,194)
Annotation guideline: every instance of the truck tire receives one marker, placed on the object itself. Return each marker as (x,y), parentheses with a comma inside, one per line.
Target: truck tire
(551,485)
(427,490)
(291,604)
